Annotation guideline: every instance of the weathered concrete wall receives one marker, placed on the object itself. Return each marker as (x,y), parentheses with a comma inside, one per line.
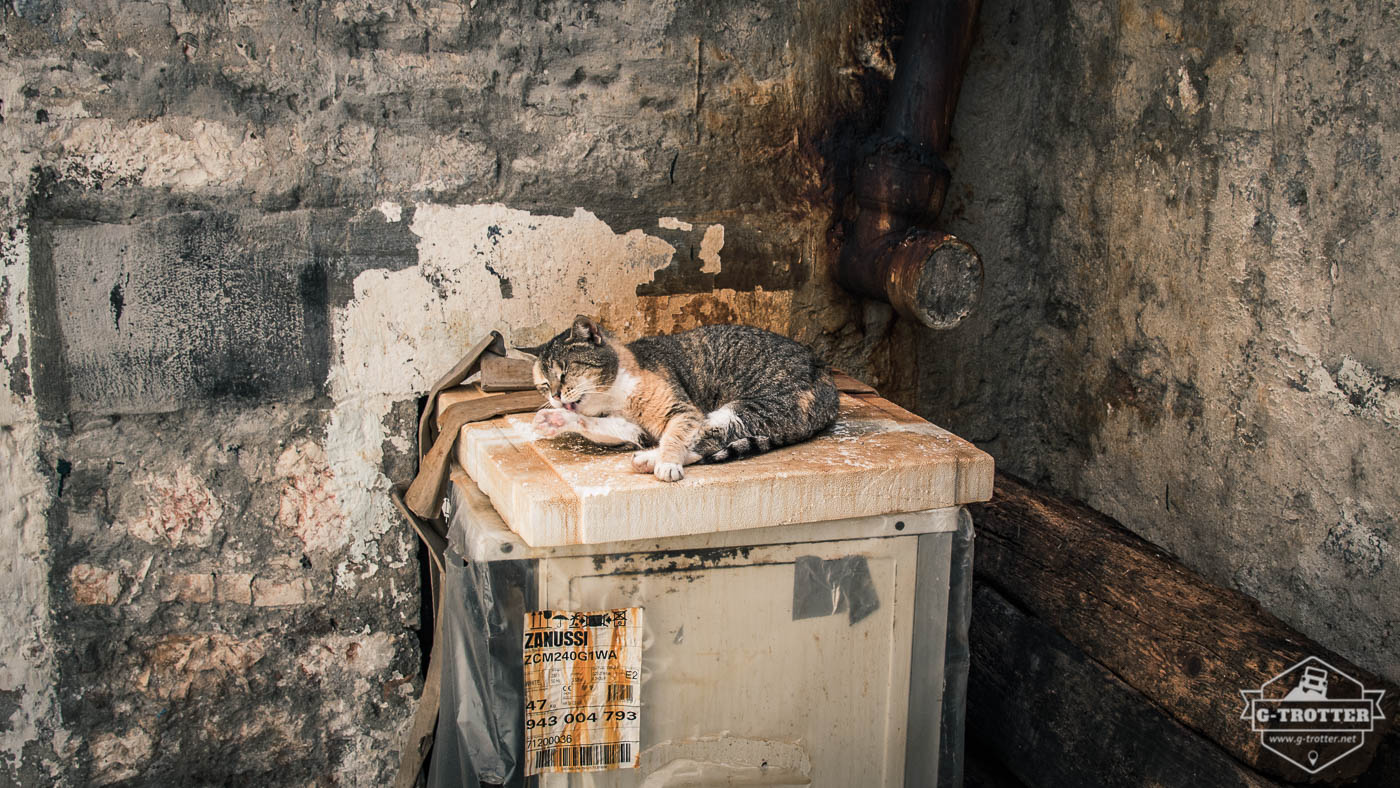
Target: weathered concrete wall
(241,237)
(1189,217)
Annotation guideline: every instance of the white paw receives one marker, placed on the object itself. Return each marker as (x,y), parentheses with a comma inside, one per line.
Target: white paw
(669,471)
(644,461)
(552,421)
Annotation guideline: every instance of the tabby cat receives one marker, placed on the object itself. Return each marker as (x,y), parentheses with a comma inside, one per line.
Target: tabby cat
(707,395)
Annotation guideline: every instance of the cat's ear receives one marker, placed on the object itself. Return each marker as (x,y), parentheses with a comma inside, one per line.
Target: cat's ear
(532,352)
(585,330)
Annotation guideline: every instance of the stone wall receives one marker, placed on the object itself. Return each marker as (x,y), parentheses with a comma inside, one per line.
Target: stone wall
(1188,213)
(240,238)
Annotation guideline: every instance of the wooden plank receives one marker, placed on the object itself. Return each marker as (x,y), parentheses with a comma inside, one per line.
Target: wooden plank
(1056,718)
(877,459)
(850,385)
(428,426)
(453,396)
(424,495)
(1188,645)
(499,373)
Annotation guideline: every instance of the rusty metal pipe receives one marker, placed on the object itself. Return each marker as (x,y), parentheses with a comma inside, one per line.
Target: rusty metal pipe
(892,251)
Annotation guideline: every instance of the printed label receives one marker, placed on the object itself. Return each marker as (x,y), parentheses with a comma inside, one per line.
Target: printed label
(582,690)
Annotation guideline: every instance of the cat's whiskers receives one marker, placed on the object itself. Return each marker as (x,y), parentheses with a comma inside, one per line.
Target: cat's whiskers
(578,395)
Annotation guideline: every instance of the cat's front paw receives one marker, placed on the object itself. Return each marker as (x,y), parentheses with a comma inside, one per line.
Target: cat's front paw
(644,461)
(552,421)
(669,471)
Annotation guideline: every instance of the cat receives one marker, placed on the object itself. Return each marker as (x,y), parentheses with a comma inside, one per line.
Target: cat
(710,394)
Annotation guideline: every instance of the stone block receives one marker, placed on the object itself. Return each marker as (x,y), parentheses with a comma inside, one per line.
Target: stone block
(94,585)
(188,587)
(235,588)
(277,593)
(154,315)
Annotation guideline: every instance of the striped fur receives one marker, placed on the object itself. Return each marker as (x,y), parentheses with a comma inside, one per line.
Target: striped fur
(709,395)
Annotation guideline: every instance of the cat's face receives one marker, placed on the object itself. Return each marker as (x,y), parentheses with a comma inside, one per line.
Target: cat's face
(577,368)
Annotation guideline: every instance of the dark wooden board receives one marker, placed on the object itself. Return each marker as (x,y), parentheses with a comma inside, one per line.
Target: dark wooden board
(1053,717)
(1188,645)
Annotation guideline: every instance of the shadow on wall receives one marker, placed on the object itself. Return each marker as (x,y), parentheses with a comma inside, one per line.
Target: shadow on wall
(1185,305)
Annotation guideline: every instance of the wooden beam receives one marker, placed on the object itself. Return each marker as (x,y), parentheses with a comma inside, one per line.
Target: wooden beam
(1186,644)
(1054,717)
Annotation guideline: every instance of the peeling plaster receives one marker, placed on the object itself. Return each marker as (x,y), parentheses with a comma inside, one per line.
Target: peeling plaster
(391,211)
(403,329)
(26,658)
(709,248)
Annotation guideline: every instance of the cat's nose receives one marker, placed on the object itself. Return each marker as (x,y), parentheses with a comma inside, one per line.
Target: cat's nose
(571,405)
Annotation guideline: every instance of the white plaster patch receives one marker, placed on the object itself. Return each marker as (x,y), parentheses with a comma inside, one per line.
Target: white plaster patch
(672,223)
(1190,101)
(392,211)
(26,657)
(709,248)
(403,329)
(14,321)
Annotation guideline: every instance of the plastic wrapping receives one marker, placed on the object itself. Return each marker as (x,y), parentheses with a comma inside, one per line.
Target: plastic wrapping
(763,652)
(481,690)
(957,655)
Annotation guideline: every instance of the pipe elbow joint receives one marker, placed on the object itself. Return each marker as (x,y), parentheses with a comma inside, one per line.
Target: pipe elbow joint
(892,255)
(931,276)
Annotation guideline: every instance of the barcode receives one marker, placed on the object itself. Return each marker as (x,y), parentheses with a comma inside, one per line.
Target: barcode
(587,755)
(619,692)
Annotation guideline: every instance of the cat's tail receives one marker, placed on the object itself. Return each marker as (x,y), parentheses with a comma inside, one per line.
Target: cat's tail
(741,447)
